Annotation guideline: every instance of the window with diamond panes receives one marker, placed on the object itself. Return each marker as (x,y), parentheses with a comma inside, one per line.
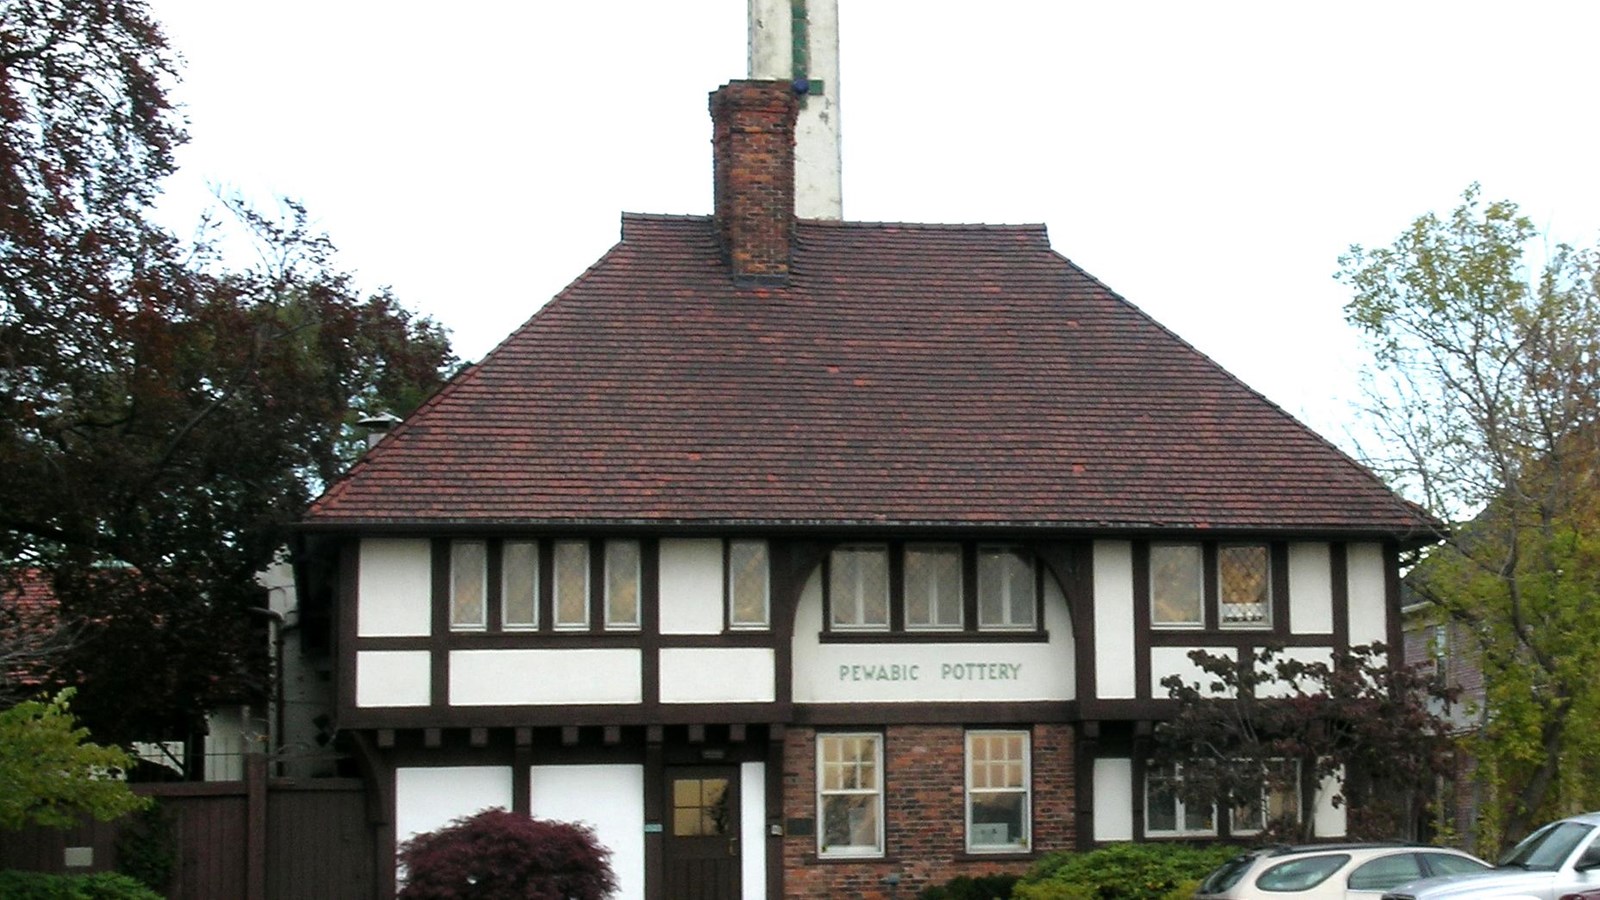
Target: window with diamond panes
(1279,800)
(933,594)
(1165,812)
(997,791)
(850,795)
(1244,586)
(519,585)
(622,584)
(1177,585)
(749,604)
(1007,589)
(469,566)
(570,562)
(858,587)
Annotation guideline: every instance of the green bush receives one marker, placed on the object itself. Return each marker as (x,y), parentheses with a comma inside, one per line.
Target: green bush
(984,887)
(1122,872)
(99,886)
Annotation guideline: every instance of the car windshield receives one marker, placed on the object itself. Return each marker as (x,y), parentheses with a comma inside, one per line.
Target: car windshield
(1227,875)
(1546,849)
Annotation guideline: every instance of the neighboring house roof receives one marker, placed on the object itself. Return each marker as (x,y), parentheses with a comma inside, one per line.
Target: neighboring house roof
(904,375)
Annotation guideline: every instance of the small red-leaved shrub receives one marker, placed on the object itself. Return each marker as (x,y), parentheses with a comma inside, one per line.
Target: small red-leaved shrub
(498,854)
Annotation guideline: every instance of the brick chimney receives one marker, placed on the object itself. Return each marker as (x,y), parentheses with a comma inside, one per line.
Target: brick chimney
(753,150)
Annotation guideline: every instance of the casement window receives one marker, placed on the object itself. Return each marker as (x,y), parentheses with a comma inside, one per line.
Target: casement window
(1177,585)
(749,587)
(1165,812)
(858,587)
(519,585)
(569,561)
(933,590)
(1008,590)
(622,584)
(932,587)
(1279,800)
(1244,586)
(1241,588)
(469,566)
(850,795)
(998,792)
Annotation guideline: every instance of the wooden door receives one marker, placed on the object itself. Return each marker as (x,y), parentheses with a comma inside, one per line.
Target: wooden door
(701,850)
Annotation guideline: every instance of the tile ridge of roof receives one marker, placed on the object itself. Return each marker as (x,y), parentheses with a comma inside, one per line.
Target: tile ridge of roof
(1432,523)
(664,217)
(1030,227)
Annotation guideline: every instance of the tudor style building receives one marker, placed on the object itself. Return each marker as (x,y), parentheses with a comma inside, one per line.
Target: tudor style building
(810,558)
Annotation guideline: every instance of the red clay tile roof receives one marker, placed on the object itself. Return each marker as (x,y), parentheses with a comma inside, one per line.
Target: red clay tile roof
(907,374)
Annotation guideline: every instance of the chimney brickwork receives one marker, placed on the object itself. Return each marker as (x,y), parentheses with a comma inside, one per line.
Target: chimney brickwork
(753,126)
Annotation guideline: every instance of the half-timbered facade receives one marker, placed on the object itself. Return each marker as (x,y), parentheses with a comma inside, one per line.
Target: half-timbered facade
(809,558)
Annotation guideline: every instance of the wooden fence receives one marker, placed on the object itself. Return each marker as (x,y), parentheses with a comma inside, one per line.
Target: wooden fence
(257,839)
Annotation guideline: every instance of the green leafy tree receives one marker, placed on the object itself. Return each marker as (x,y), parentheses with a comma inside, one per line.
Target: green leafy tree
(1484,390)
(165,413)
(1279,724)
(51,775)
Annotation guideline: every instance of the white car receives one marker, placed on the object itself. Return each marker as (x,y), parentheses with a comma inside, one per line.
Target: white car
(1560,859)
(1330,871)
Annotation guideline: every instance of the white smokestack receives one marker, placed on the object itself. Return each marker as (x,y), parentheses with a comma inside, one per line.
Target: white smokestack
(812,65)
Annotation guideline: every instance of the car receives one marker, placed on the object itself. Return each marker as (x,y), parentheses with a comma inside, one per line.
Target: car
(1558,860)
(1330,871)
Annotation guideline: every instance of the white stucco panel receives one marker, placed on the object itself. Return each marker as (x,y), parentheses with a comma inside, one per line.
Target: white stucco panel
(753,830)
(1328,820)
(1166,661)
(392,678)
(393,588)
(1369,608)
(721,675)
(1322,655)
(426,798)
(1310,589)
(691,588)
(607,798)
(909,673)
(1113,800)
(545,677)
(1113,620)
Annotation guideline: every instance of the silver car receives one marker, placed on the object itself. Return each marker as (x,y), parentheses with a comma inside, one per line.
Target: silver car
(1330,871)
(1559,859)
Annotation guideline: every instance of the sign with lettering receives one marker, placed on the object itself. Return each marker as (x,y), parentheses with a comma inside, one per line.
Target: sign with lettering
(946,671)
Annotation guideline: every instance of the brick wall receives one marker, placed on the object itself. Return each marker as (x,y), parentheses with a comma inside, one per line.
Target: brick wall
(924,813)
(753,154)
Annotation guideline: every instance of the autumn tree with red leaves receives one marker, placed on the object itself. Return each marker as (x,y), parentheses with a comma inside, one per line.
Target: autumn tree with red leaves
(499,855)
(165,414)
(1372,734)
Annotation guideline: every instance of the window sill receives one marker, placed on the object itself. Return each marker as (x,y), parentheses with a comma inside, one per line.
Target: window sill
(999,855)
(934,637)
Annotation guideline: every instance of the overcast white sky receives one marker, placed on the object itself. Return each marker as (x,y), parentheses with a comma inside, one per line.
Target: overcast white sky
(1208,161)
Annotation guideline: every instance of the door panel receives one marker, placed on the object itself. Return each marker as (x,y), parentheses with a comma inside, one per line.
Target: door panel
(701,849)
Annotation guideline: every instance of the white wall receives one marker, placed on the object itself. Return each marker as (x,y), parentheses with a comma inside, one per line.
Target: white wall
(726,675)
(691,586)
(954,672)
(580,675)
(817,192)
(1369,608)
(393,678)
(1113,799)
(393,588)
(429,797)
(608,798)
(1113,620)
(1166,661)
(1310,589)
(1327,819)
(753,830)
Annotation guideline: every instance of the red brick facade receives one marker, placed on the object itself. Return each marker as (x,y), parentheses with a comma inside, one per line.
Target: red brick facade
(924,813)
